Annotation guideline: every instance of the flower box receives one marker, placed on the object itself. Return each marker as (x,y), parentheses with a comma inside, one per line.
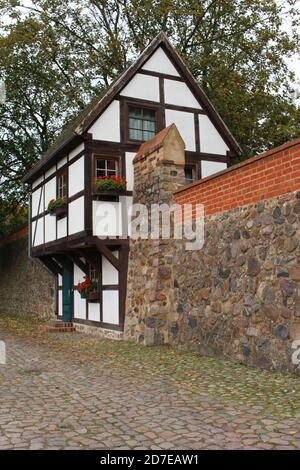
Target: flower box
(88,289)
(112,184)
(62,210)
(57,207)
(93,296)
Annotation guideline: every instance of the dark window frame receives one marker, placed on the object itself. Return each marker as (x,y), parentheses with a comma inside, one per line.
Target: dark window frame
(62,173)
(141,105)
(100,156)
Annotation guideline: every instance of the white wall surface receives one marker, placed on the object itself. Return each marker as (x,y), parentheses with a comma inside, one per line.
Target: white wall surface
(79,306)
(111,306)
(76,215)
(210,139)
(62,227)
(142,86)
(209,168)
(179,93)
(39,235)
(110,275)
(76,177)
(107,126)
(35,199)
(50,191)
(37,181)
(62,162)
(185,125)
(50,228)
(59,280)
(60,303)
(107,218)
(76,151)
(94,311)
(159,62)
(50,171)
(129,156)
(79,303)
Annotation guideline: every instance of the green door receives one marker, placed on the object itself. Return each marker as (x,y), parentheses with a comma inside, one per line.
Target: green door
(67,297)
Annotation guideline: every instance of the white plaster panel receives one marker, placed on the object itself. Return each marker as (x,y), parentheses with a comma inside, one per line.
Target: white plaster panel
(107,126)
(76,215)
(50,171)
(142,86)
(179,93)
(210,139)
(76,177)
(33,224)
(129,156)
(77,274)
(185,124)
(79,306)
(39,235)
(62,162)
(60,303)
(35,200)
(209,168)
(62,227)
(37,182)
(50,228)
(160,62)
(76,151)
(107,218)
(50,191)
(94,311)
(111,306)
(110,274)
(59,280)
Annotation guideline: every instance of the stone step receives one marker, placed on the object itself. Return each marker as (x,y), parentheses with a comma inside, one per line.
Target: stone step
(58,326)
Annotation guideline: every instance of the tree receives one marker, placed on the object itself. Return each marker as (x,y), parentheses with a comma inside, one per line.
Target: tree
(55,57)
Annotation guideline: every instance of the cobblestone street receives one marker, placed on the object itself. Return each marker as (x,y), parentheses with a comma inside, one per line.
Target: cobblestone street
(71,391)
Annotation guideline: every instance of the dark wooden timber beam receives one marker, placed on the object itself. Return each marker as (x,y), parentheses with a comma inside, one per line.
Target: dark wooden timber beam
(64,262)
(108,254)
(81,265)
(51,264)
(90,257)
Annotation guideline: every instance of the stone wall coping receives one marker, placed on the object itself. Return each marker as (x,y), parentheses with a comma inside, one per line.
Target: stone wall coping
(269,153)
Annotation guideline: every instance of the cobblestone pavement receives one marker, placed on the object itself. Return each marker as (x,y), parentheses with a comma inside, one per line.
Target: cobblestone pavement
(71,391)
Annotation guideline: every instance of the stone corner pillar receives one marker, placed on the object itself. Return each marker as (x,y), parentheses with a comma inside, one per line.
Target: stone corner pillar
(150,302)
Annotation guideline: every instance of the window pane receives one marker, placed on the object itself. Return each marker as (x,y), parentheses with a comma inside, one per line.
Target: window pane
(188,173)
(149,126)
(135,123)
(148,135)
(111,164)
(135,134)
(149,114)
(100,164)
(135,112)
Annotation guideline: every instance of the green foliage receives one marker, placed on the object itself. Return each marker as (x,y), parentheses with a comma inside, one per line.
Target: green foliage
(56,56)
(114,183)
(55,203)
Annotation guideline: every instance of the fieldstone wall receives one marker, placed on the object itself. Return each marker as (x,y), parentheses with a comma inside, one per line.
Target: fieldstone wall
(239,296)
(26,287)
(150,292)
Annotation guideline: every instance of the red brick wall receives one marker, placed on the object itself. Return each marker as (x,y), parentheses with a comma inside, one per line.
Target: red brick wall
(264,176)
(20,233)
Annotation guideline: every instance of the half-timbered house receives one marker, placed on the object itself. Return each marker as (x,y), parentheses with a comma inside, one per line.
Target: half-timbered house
(154,92)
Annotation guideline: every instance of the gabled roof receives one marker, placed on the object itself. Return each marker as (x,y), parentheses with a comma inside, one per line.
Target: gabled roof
(92,111)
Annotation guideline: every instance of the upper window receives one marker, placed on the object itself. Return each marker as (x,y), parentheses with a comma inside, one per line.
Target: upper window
(62,185)
(142,123)
(106,167)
